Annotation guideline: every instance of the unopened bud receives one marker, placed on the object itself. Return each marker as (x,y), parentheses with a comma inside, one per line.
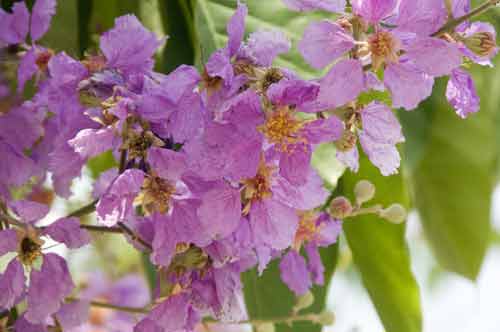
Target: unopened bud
(395,214)
(265,327)
(304,301)
(481,43)
(364,191)
(326,318)
(347,141)
(340,207)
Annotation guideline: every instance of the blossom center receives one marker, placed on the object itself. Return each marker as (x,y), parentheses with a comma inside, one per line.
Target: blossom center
(306,230)
(258,187)
(384,48)
(138,144)
(282,128)
(156,194)
(42,60)
(30,248)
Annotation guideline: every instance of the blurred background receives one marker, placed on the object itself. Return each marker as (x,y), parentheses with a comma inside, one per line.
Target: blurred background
(449,182)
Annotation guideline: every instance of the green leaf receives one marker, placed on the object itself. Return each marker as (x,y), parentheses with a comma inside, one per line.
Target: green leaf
(211,16)
(453,176)
(62,35)
(177,19)
(380,252)
(101,163)
(267,297)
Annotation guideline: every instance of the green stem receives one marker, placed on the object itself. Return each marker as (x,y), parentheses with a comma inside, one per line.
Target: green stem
(89,208)
(453,23)
(99,304)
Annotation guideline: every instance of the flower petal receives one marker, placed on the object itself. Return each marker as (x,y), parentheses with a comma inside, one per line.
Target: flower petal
(294,273)
(41,15)
(461,93)
(12,285)
(68,231)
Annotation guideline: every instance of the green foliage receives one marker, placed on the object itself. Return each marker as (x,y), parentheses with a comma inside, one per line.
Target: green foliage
(267,297)
(380,252)
(453,175)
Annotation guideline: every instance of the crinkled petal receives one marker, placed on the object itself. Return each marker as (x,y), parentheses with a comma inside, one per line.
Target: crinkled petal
(343,83)
(293,92)
(12,284)
(323,42)
(117,202)
(315,265)
(305,197)
(168,164)
(164,241)
(15,168)
(103,182)
(461,93)
(90,143)
(129,46)
(41,15)
(23,325)
(220,210)
(408,85)
(44,301)
(434,56)
(334,6)
(8,241)
(72,315)
(27,68)
(68,231)
(264,46)
(171,315)
(349,158)
(14,27)
(384,156)
(374,10)
(236,28)
(294,273)
(324,130)
(295,164)
(273,223)
(29,211)
(66,73)
(381,124)
(422,17)
(219,65)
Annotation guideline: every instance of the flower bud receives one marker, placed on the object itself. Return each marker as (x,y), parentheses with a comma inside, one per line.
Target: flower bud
(395,214)
(326,318)
(304,301)
(364,191)
(481,43)
(347,141)
(265,327)
(340,207)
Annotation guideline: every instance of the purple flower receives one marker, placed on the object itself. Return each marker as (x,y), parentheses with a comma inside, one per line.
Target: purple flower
(291,138)
(27,241)
(323,42)
(462,94)
(14,27)
(294,273)
(421,17)
(315,230)
(129,47)
(380,133)
(374,10)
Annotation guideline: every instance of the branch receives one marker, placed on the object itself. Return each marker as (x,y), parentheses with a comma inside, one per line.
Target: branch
(106,305)
(453,23)
(134,235)
(84,210)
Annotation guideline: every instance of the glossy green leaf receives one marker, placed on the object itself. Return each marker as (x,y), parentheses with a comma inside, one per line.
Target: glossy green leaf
(177,19)
(453,174)
(380,252)
(63,33)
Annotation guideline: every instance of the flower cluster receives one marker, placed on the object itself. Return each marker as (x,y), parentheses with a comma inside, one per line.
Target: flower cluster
(214,171)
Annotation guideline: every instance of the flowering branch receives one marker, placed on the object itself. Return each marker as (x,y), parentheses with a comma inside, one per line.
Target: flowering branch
(453,23)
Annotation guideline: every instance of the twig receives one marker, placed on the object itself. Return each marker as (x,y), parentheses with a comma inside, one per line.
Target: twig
(134,235)
(453,23)
(84,210)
